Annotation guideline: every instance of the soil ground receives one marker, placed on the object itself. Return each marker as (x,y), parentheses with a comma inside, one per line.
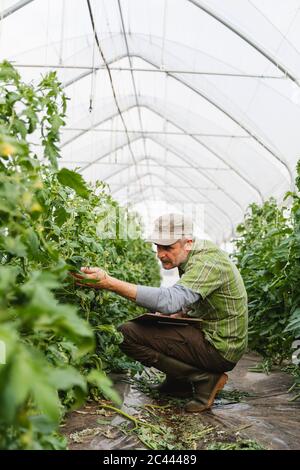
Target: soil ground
(253,406)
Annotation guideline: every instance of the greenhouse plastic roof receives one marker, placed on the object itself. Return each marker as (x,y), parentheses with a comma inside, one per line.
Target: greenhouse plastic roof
(184,101)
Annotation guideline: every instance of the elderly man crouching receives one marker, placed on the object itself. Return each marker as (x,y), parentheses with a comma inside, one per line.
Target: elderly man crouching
(194,357)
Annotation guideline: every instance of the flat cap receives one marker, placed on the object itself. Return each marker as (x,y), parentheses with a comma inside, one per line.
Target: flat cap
(169,228)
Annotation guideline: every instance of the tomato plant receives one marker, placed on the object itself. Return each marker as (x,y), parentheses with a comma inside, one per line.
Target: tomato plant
(268,256)
(59,339)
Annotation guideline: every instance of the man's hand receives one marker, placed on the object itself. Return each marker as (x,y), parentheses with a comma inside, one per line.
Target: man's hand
(161,314)
(95,275)
(173,315)
(99,279)
(179,315)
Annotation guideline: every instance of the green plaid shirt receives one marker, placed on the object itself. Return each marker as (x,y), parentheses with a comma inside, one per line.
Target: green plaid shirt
(222,307)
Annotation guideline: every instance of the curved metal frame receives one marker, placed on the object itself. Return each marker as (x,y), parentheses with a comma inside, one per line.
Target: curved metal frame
(17,6)
(155,111)
(148,158)
(179,155)
(131,72)
(139,137)
(216,222)
(195,189)
(133,199)
(245,38)
(173,171)
(158,143)
(206,98)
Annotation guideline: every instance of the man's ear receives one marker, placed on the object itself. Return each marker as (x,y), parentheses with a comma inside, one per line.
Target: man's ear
(188,244)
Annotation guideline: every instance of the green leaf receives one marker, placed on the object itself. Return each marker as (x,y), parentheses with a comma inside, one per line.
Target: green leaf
(16,380)
(75,261)
(61,215)
(294,322)
(14,246)
(64,378)
(32,243)
(73,180)
(53,441)
(8,276)
(8,72)
(32,119)
(63,320)
(20,127)
(42,424)
(56,122)
(46,398)
(12,97)
(100,380)
(27,375)
(51,152)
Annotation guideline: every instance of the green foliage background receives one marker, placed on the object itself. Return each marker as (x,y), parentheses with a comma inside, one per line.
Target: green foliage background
(59,339)
(268,256)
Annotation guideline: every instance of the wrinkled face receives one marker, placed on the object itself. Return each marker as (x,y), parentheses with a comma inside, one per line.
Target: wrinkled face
(173,255)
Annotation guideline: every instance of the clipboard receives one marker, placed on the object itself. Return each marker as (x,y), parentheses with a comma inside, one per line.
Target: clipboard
(152,318)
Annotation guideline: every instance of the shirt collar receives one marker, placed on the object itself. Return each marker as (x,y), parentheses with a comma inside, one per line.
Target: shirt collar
(198,245)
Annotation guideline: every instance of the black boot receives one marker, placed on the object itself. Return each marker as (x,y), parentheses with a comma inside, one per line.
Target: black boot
(178,377)
(173,387)
(205,384)
(205,390)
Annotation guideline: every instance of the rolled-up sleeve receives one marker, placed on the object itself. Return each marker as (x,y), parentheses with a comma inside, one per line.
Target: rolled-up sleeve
(166,300)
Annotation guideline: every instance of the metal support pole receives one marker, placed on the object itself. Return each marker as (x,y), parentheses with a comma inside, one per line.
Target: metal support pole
(14,8)
(156,70)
